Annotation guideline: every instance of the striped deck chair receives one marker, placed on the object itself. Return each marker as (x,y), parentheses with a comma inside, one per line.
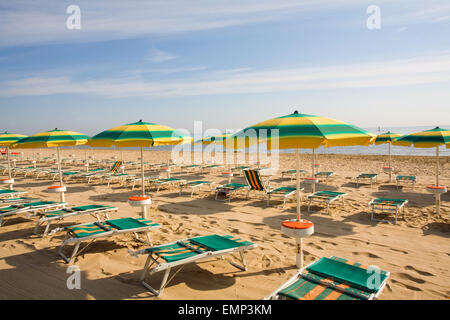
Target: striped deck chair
(180,253)
(196,185)
(372,177)
(103,229)
(325,196)
(98,211)
(324,175)
(291,173)
(255,183)
(387,205)
(333,278)
(239,169)
(29,208)
(405,180)
(4,193)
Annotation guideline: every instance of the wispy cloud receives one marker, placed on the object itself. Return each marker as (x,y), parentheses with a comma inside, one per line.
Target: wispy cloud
(158,56)
(25,22)
(412,71)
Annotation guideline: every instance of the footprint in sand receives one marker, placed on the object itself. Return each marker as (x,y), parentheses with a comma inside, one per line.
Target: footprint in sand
(409,277)
(367,254)
(406,286)
(399,250)
(421,272)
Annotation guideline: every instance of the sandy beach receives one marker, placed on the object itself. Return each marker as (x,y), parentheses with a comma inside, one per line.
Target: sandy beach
(415,250)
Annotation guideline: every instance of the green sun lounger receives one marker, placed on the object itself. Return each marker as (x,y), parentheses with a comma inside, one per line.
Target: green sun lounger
(326,197)
(227,190)
(29,208)
(196,185)
(166,182)
(4,193)
(405,180)
(324,175)
(180,253)
(291,173)
(98,211)
(387,205)
(103,229)
(333,279)
(17,200)
(372,177)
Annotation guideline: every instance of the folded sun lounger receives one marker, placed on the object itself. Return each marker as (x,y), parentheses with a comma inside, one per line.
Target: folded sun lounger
(103,229)
(372,177)
(387,205)
(333,279)
(406,180)
(48,217)
(194,185)
(325,196)
(180,253)
(29,208)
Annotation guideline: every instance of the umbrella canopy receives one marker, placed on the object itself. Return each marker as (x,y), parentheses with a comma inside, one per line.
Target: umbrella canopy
(54,138)
(212,139)
(7,139)
(433,138)
(387,137)
(425,139)
(138,134)
(298,130)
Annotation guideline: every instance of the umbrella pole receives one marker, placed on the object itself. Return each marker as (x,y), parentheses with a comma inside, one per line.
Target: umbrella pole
(9,167)
(438,195)
(299,256)
(60,173)
(389,164)
(297,159)
(144,208)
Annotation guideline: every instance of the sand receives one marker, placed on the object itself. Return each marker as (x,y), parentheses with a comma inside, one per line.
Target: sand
(415,250)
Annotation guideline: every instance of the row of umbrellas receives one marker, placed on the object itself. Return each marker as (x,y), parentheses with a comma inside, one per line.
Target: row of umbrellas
(293,131)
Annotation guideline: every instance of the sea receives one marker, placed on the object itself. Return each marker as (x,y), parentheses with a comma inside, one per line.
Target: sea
(356,150)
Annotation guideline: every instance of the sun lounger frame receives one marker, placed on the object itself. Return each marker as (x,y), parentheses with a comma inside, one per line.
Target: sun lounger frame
(197,186)
(324,199)
(167,266)
(386,208)
(68,240)
(96,212)
(33,210)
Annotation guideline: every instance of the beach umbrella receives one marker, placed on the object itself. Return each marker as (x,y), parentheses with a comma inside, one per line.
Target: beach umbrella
(53,139)
(387,137)
(433,138)
(137,135)
(301,131)
(6,140)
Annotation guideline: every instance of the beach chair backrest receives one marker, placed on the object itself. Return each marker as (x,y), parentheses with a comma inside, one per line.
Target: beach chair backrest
(116,166)
(254,180)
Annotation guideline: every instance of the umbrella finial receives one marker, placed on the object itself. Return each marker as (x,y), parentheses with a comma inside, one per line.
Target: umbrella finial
(295,112)
(140,120)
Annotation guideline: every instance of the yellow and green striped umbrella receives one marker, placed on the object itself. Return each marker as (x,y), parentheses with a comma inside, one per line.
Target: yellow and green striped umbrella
(53,138)
(387,137)
(213,139)
(305,131)
(139,134)
(433,138)
(295,131)
(7,139)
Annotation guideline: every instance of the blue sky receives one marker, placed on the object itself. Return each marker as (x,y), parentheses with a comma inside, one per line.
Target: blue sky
(228,63)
